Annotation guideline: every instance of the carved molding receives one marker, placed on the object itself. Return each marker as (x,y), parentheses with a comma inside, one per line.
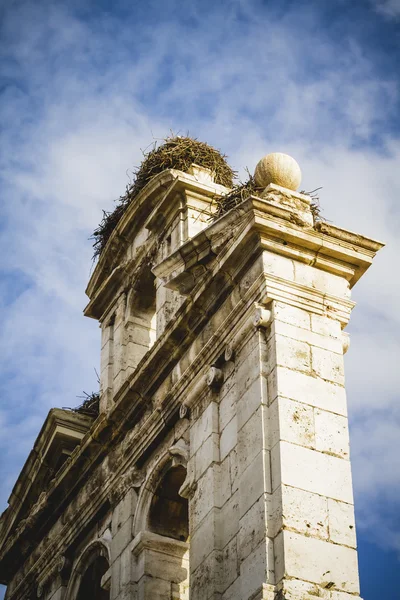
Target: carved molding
(215,378)
(229,353)
(180,455)
(184,411)
(306,298)
(61,567)
(262,317)
(189,487)
(133,478)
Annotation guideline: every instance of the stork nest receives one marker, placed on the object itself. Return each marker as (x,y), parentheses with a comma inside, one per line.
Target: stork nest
(174,153)
(238,194)
(90,406)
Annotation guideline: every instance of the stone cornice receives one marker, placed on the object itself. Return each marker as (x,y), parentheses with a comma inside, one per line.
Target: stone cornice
(307,298)
(324,246)
(146,540)
(59,424)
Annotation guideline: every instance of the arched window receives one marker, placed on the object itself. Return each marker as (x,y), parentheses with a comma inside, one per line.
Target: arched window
(90,586)
(88,573)
(161,543)
(169,513)
(140,320)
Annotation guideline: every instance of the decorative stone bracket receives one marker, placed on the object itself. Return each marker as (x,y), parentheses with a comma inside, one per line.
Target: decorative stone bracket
(262,317)
(61,567)
(215,378)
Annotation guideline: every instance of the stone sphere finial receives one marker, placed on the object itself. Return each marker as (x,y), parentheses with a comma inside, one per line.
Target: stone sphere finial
(278,168)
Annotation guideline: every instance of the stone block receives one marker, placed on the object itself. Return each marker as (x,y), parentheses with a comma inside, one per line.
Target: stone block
(291,421)
(58,594)
(234,592)
(292,315)
(124,510)
(342,528)
(327,365)
(331,433)
(203,539)
(106,335)
(251,437)
(249,367)
(154,588)
(224,482)
(310,390)
(213,490)
(281,266)
(227,408)
(234,470)
(254,481)
(311,471)
(126,567)
(304,512)
(254,571)
(204,426)
(204,580)
(207,454)
(320,280)
(115,578)
(293,354)
(253,528)
(251,399)
(138,333)
(204,499)
(134,353)
(228,438)
(342,596)
(296,589)
(317,561)
(229,569)
(228,522)
(161,565)
(325,326)
(121,538)
(327,342)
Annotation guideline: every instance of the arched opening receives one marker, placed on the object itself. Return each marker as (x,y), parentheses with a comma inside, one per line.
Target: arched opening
(140,321)
(161,544)
(90,586)
(88,573)
(169,512)
(143,308)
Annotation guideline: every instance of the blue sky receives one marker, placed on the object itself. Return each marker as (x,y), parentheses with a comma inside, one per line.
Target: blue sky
(84,85)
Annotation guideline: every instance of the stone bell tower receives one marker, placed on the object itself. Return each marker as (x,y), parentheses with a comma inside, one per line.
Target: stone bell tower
(218,466)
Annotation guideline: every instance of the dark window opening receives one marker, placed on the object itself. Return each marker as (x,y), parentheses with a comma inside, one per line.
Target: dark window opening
(169,514)
(90,588)
(143,309)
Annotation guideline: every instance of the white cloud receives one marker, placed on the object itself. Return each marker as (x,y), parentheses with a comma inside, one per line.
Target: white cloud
(89,102)
(388,8)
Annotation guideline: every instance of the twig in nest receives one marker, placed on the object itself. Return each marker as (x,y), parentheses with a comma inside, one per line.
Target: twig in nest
(238,194)
(90,405)
(315,205)
(175,153)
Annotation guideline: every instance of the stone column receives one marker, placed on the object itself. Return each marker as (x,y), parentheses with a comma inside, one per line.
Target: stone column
(311,515)
(205,501)
(161,567)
